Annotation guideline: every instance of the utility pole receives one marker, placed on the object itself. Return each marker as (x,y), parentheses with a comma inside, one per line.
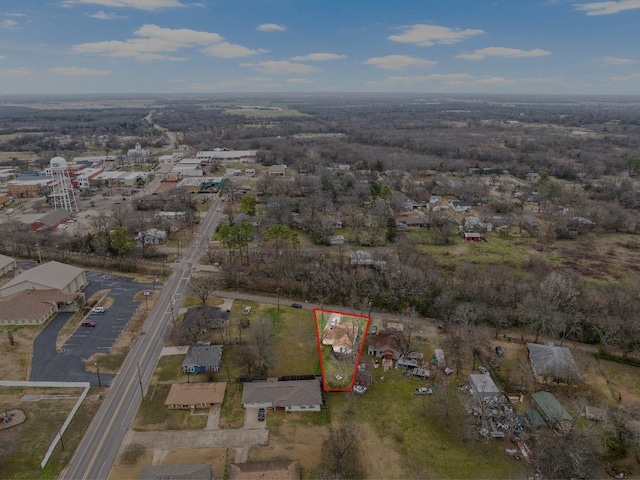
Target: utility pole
(140,382)
(98,374)
(278,292)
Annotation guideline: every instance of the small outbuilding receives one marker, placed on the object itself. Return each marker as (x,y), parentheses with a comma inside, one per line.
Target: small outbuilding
(483,387)
(552,410)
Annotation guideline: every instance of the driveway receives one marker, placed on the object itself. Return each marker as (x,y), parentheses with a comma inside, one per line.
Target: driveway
(67,365)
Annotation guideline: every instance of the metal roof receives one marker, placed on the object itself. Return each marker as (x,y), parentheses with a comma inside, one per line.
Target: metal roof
(52,274)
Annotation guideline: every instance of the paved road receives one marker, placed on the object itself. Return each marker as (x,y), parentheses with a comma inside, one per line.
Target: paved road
(97,452)
(68,365)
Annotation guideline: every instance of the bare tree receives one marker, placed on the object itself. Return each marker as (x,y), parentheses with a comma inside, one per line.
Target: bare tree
(202,287)
(341,455)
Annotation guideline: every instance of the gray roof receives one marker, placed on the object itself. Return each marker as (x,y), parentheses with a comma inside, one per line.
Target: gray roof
(52,274)
(190,471)
(283,394)
(203,355)
(552,361)
(5,261)
(214,316)
(54,217)
(484,385)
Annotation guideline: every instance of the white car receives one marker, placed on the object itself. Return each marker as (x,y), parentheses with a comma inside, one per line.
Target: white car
(359,389)
(246,311)
(423,391)
(98,310)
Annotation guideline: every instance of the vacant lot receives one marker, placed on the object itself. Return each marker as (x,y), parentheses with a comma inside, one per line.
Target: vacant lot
(23,447)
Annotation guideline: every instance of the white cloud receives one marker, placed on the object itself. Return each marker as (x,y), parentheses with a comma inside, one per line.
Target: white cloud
(399,62)
(137,4)
(229,50)
(155,43)
(318,57)
(428,35)
(300,81)
(634,77)
(250,83)
(102,15)
(607,8)
(412,79)
(281,66)
(9,24)
(615,60)
(271,27)
(503,52)
(16,72)
(80,72)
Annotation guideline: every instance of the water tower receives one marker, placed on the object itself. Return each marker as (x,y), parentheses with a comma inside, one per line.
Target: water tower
(63,196)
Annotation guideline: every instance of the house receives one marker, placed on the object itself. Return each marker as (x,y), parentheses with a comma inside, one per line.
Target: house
(276,470)
(49,276)
(483,387)
(471,236)
(153,236)
(208,317)
(189,396)
(187,471)
(277,170)
(385,344)
(341,337)
(553,364)
(461,206)
(5,201)
(336,240)
(415,221)
(7,264)
(35,307)
(552,410)
(283,396)
(202,359)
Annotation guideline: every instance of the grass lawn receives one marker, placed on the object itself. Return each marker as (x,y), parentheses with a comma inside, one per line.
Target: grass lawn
(26,444)
(154,415)
(295,349)
(232,411)
(413,428)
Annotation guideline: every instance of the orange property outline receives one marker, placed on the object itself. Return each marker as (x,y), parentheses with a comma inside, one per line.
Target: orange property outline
(319,342)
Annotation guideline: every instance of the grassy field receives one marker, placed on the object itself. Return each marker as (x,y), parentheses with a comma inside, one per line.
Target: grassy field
(414,429)
(27,444)
(154,415)
(295,350)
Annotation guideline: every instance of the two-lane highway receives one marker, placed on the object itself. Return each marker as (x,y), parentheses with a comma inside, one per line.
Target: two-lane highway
(97,452)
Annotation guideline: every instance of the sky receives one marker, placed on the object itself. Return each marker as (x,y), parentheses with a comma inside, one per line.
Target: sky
(262,46)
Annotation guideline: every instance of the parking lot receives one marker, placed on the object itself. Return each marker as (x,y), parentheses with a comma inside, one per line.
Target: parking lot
(68,364)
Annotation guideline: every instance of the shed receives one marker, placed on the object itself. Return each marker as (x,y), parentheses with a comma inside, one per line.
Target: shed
(483,387)
(471,237)
(440,360)
(534,419)
(552,410)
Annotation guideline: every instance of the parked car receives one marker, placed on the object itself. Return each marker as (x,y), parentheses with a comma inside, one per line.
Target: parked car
(499,351)
(483,370)
(423,391)
(262,414)
(334,321)
(98,310)
(296,305)
(9,211)
(246,311)
(360,389)
(374,330)
(88,324)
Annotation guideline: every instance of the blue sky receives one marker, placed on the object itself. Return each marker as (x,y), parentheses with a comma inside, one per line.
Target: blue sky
(428,46)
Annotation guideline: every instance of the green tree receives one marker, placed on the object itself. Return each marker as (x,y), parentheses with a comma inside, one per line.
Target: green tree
(236,237)
(120,241)
(248,205)
(633,164)
(282,236)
